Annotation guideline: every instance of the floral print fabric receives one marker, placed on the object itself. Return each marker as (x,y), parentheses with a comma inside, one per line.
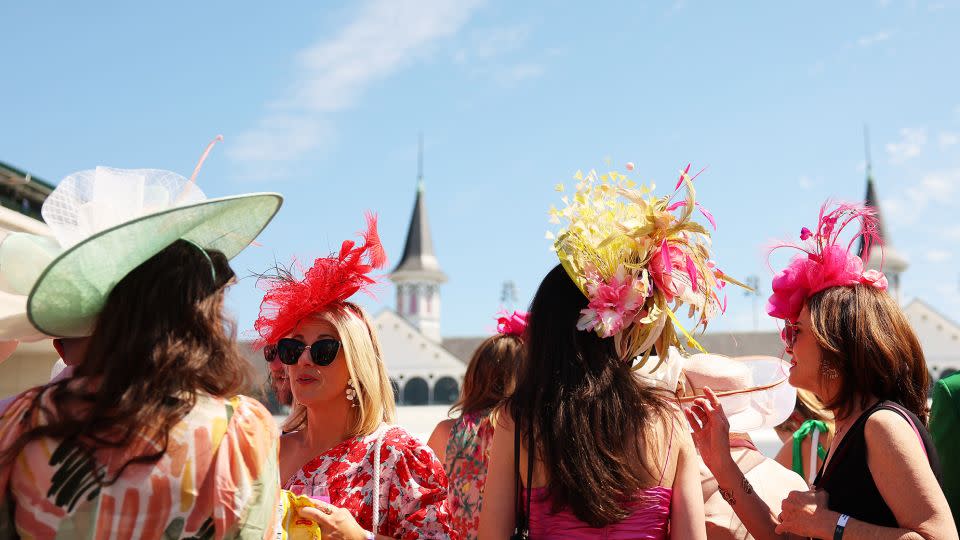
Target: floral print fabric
(217,479)
(413,487)
(468,450)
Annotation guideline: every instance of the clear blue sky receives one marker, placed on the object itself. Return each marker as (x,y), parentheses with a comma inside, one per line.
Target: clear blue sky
(322,101)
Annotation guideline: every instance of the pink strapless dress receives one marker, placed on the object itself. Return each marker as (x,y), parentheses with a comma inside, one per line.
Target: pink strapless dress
(648,520)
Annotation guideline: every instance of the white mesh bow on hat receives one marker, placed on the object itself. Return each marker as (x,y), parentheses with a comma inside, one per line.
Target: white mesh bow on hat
(91,201)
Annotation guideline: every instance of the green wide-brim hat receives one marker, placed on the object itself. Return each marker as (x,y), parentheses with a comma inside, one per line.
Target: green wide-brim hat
(72,290)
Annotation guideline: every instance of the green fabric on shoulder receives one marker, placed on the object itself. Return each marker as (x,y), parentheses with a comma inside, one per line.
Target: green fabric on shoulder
(945,429)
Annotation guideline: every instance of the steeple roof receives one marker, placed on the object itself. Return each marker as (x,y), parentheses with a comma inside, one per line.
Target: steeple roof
(893,261)
(419,261)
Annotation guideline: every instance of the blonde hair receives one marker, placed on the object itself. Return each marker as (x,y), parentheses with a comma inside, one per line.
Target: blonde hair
(361,351)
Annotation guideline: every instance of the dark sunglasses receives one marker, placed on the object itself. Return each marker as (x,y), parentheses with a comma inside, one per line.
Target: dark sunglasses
(270,353)
(322,352)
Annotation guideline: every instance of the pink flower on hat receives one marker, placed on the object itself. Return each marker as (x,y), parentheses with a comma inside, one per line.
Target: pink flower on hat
(668,262)
(875,278)
(513,324)
(790,290)
(614,304)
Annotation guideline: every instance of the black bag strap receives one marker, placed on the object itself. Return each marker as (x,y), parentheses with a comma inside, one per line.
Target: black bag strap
(530,453)
(521,528)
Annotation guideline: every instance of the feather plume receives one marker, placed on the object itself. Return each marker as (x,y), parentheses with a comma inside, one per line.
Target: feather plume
(330,280)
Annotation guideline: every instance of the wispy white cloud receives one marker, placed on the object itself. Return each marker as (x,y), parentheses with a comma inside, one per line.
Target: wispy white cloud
(912,141)
(952,232)
(497,54)
(873,39)
(491,42)
(281,137)
(938,186)
(934,189)
(384,37)
(517,73)
(805,183)
(938,255)
(948,139)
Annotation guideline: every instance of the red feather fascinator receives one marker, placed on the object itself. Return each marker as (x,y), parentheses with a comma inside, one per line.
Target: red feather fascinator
(329,281)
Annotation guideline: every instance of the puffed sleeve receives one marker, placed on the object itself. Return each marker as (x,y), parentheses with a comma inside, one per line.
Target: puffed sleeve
(247,475)
(418,490)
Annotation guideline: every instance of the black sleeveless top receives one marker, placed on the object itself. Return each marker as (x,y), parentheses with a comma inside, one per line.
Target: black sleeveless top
(847,478)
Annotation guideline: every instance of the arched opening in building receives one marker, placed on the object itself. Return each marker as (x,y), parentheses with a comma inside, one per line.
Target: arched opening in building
(446,391)
(416,392)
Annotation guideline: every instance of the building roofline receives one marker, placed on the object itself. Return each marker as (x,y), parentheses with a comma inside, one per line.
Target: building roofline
(935,311)
(41,183)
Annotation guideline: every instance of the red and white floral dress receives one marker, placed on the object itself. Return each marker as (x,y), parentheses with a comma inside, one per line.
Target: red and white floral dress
(412,491)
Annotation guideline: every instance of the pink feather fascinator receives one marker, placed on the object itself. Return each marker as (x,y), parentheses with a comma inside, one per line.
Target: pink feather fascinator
(825,261)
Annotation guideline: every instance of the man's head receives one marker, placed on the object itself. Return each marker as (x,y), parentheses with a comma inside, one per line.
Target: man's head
(279,381)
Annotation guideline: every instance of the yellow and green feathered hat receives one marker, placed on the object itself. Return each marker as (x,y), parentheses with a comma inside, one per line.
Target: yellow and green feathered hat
(638,258)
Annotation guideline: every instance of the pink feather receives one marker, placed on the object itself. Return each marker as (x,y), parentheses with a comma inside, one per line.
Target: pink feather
(706,213)
(680,180)
(665,255)
(692,272)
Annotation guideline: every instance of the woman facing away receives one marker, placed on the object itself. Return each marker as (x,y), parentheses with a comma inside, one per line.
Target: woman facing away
(806,435)
(852,346)
(148,437)
(582,448)
(463,444)
(381,482)
(610,458)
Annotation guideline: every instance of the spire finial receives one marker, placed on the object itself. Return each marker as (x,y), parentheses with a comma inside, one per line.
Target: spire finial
(420,164)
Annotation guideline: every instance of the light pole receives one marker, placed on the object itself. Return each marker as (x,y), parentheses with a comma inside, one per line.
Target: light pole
(754,283)
(508,295)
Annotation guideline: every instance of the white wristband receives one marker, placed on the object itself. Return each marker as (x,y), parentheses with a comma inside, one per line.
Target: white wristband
(841,524)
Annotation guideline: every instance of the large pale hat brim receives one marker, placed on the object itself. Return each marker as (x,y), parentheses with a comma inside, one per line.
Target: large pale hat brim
(70,293)
(757,393)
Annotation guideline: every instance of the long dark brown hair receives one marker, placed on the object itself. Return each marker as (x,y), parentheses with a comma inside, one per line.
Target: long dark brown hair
(160,341)
(489,376)
(865,336)
(591,423)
